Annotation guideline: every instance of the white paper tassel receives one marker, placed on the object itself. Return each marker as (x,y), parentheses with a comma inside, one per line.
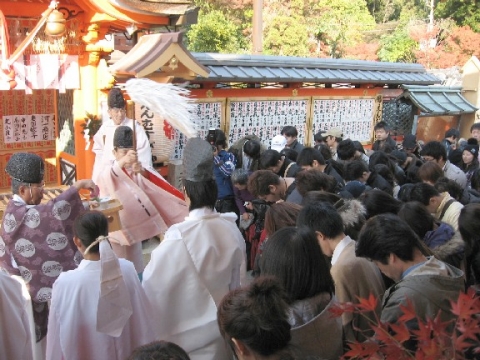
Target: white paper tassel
(168,101)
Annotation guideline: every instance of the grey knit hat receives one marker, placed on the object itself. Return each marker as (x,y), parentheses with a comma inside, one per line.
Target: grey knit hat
(123,137)
(198,160)
(115,99)
(26,167)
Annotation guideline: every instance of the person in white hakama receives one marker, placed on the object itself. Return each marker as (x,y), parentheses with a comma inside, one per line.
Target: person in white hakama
(99,311)
(198,262)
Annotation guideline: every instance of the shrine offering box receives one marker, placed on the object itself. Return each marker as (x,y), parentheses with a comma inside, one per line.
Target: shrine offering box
(110,209)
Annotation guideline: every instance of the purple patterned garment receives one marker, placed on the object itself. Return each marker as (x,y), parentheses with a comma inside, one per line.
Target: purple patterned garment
(39,239)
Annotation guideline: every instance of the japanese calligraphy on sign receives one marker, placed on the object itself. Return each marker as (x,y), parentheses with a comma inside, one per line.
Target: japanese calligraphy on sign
(353,116)
(26,128)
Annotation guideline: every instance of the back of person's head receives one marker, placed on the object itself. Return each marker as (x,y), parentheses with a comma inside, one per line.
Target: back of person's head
(423,192)
(314,179)
(252,148)
(346,149)
(435,149)
(358,145)
(308,155)
(318,137)
(256,316)
(416,215)
(289,131)
(239,176)
(269,158)
(405,192)
(89,226)
(353,215)
(381,125)
(354,170)
(294,257)
(321,217)
(469,227)
(289,153)
(318,196)
(259,182)
(379,202)
(430,172)
(386,234)
(455,157)
(159,350)
(325,151)
(452,133)
(201,193)
(380,157)
(448,185)
(281,215)
(386,172)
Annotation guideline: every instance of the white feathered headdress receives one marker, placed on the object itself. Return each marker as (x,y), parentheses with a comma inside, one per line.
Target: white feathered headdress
(168,101)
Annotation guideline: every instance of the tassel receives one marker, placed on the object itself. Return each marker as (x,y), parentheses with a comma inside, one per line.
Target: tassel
(168,101)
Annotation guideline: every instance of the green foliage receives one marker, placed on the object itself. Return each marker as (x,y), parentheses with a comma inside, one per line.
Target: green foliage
(341,23)
(397,47)
(91,125)
(286,35)
(215,33)
(462,12)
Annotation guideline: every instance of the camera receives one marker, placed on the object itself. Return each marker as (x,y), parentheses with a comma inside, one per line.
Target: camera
(211,138)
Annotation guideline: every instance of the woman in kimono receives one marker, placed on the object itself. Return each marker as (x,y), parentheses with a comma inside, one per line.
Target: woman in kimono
(99,310)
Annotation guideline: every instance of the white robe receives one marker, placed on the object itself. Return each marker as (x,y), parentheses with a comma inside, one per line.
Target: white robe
(15,331)
(198,262)
(103,146)
(72,333)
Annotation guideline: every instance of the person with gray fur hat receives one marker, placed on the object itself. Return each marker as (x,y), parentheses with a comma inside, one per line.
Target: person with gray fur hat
(103,139)
(198,262)
(35,238)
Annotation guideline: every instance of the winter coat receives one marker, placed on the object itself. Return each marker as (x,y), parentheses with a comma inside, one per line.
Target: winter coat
(447,245)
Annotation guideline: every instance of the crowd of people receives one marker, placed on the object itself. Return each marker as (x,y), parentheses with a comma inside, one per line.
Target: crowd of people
(257,248)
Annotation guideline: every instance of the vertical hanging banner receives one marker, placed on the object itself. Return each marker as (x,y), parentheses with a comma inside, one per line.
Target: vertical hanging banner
(28,128)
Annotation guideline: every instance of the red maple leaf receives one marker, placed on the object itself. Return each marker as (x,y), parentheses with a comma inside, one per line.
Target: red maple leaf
(369,304)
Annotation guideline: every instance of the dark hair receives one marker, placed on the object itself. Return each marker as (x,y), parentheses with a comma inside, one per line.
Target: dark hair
(430,171)
(260,180)
(314,179)
(377,201)
(475,126)
(289,131)
(316,196)
(404,193)
(469,227)
(385,172)
(201,193)
(220,138)
(252,148)
(289,153)
(354,170)
(321,217)
(294,257)
(448,185)
(346,149)
(380,157)
(324,150)
(455,157)
(381,125)
(434,149)
(239,176)
(386,234)
(159,350)
(280,215)
(269,158)
(416,215)
(308,155)
(452,133)
(257,316)
(358,145)
(423,192)
(89,226)
(318,137)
